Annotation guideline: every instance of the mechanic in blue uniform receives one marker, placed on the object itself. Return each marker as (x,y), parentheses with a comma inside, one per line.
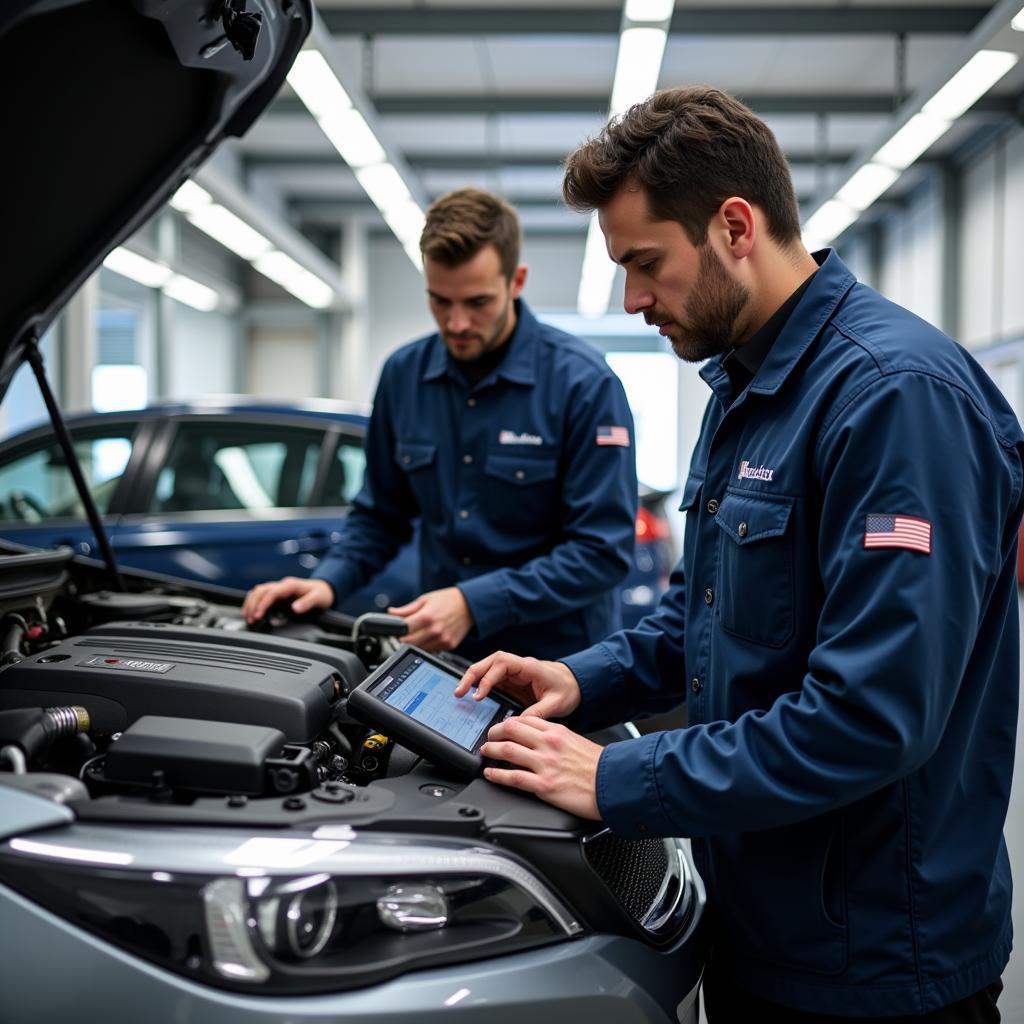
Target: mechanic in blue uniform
(842,624)
(512,443)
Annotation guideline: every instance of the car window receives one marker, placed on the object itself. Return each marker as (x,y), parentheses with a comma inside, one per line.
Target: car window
(221,466)
(36,484)
(345,474)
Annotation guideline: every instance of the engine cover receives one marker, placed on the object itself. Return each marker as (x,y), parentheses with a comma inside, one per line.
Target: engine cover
(120,679)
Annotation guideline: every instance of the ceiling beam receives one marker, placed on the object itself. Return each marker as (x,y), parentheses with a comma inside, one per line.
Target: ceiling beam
(256,161)
(476,104)
(765,19)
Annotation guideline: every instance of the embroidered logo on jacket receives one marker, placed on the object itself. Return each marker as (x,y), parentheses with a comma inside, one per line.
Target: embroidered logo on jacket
(511,437)
(615,436)
(749,472)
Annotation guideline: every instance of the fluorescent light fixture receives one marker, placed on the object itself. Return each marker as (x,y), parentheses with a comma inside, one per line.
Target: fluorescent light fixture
(406,220)
(1018,22)
(192,293)
(293,277)
(317,85)
(649,10)
(353,138)
(830,220)
(232,232)
(597,274)
(638,66)
(970,83)
(412,250)
(190,197)
(911,141)
(131,265)
(866,185)
(384,185)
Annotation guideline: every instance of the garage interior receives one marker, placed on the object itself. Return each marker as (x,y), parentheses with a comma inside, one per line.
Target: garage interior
(288,266)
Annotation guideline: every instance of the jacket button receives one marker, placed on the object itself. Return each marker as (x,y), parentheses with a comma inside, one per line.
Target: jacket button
(520,474)
(466,560)
(695,684)
(467,459)
(709,596)
(712,506)
(463,513)
(406,459)
(742,529)
(471,402)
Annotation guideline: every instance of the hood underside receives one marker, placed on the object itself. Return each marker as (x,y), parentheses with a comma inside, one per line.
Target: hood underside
(111,105)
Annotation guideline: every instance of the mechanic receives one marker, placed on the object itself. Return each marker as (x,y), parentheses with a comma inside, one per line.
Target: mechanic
(512,443)
(843,622)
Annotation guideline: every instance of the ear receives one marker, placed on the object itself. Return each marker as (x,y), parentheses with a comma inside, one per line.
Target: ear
(738,225)
(518,280)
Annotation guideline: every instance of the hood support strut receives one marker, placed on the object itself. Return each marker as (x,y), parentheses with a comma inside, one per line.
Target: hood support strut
(35,360)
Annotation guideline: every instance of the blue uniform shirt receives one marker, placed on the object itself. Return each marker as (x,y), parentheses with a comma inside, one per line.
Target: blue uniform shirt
(843,625)
(527,499)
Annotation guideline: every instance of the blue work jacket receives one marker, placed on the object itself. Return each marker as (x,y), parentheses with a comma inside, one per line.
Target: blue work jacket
(843,626)
(526,497)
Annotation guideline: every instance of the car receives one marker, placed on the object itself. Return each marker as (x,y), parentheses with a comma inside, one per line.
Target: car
(192,825)
(235,490)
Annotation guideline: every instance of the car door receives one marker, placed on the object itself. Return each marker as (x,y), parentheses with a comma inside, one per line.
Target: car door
(226,500)
(39,503)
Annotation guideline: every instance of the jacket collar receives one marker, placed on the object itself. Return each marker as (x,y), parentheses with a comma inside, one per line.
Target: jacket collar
(827,289)
(519,364)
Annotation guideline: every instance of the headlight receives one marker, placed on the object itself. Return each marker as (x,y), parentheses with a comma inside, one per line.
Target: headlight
(287,914)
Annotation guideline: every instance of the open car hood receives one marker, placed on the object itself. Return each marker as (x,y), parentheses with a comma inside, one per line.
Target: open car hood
(111,105)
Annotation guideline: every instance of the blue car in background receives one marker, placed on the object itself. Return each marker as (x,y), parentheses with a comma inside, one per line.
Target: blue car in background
(235,491)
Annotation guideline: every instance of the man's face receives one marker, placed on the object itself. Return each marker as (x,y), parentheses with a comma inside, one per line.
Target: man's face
(682,288)
(473,303)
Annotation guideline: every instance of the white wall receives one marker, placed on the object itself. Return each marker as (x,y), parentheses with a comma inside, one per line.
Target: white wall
(201,353)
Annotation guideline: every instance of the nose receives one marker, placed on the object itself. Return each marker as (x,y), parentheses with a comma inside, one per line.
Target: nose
(636,300)
(458,320)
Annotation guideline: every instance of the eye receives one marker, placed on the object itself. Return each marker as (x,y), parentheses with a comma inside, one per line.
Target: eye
(647,266)
(478,303)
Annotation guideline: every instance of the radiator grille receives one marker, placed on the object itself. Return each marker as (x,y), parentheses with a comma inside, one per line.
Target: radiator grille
(633,869)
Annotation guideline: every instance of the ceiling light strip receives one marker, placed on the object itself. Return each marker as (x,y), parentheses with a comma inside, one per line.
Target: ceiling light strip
(345,118)
(929,119)
(642,39)
(154,274)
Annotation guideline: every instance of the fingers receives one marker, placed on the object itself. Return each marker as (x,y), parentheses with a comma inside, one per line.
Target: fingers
(472,674)
(408,609)
(504,668)
(314,597)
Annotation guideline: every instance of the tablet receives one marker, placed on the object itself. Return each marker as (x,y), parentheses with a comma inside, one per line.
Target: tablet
(410,699)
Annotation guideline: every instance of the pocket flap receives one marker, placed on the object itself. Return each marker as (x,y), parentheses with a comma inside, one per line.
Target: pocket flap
(747,518)
(414,454)
(691,490)
(516,469)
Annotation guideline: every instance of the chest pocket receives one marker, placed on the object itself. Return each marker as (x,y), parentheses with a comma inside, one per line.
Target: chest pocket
(417,460)
(755,588)
(520,493)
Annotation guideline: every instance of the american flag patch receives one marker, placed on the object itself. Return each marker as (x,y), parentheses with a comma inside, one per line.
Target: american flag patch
(613,435)
(908,532)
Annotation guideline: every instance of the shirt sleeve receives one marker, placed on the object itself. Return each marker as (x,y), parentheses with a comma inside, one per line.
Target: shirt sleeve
(896,630)
(380,521)
(598,521)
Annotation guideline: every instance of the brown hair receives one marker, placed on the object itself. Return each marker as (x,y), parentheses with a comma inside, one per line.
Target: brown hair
(690,148)
(460,223)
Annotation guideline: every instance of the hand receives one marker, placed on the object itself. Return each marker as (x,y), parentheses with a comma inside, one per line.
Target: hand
(438,620)
(309,594)
(552,762)
(547,688)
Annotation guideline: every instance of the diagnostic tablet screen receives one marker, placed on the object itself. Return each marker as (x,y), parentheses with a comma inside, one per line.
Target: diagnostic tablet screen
(424,692)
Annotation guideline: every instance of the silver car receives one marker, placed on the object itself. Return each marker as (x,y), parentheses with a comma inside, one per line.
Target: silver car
(192,827)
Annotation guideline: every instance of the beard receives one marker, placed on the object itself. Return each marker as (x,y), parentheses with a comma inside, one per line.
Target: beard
(713,313)
(469,347)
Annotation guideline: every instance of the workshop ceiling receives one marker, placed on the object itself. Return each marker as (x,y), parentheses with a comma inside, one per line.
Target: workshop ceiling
(496,94)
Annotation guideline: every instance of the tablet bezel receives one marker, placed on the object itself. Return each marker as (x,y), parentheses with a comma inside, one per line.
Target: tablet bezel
(437,748)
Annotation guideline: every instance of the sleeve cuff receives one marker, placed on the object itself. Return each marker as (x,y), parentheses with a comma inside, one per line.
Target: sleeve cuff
(602,688)
(339,574)
(488,603)
(627,789)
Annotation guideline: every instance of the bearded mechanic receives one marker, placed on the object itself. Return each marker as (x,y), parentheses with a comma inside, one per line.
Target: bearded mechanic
(843,623)
(510,441)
